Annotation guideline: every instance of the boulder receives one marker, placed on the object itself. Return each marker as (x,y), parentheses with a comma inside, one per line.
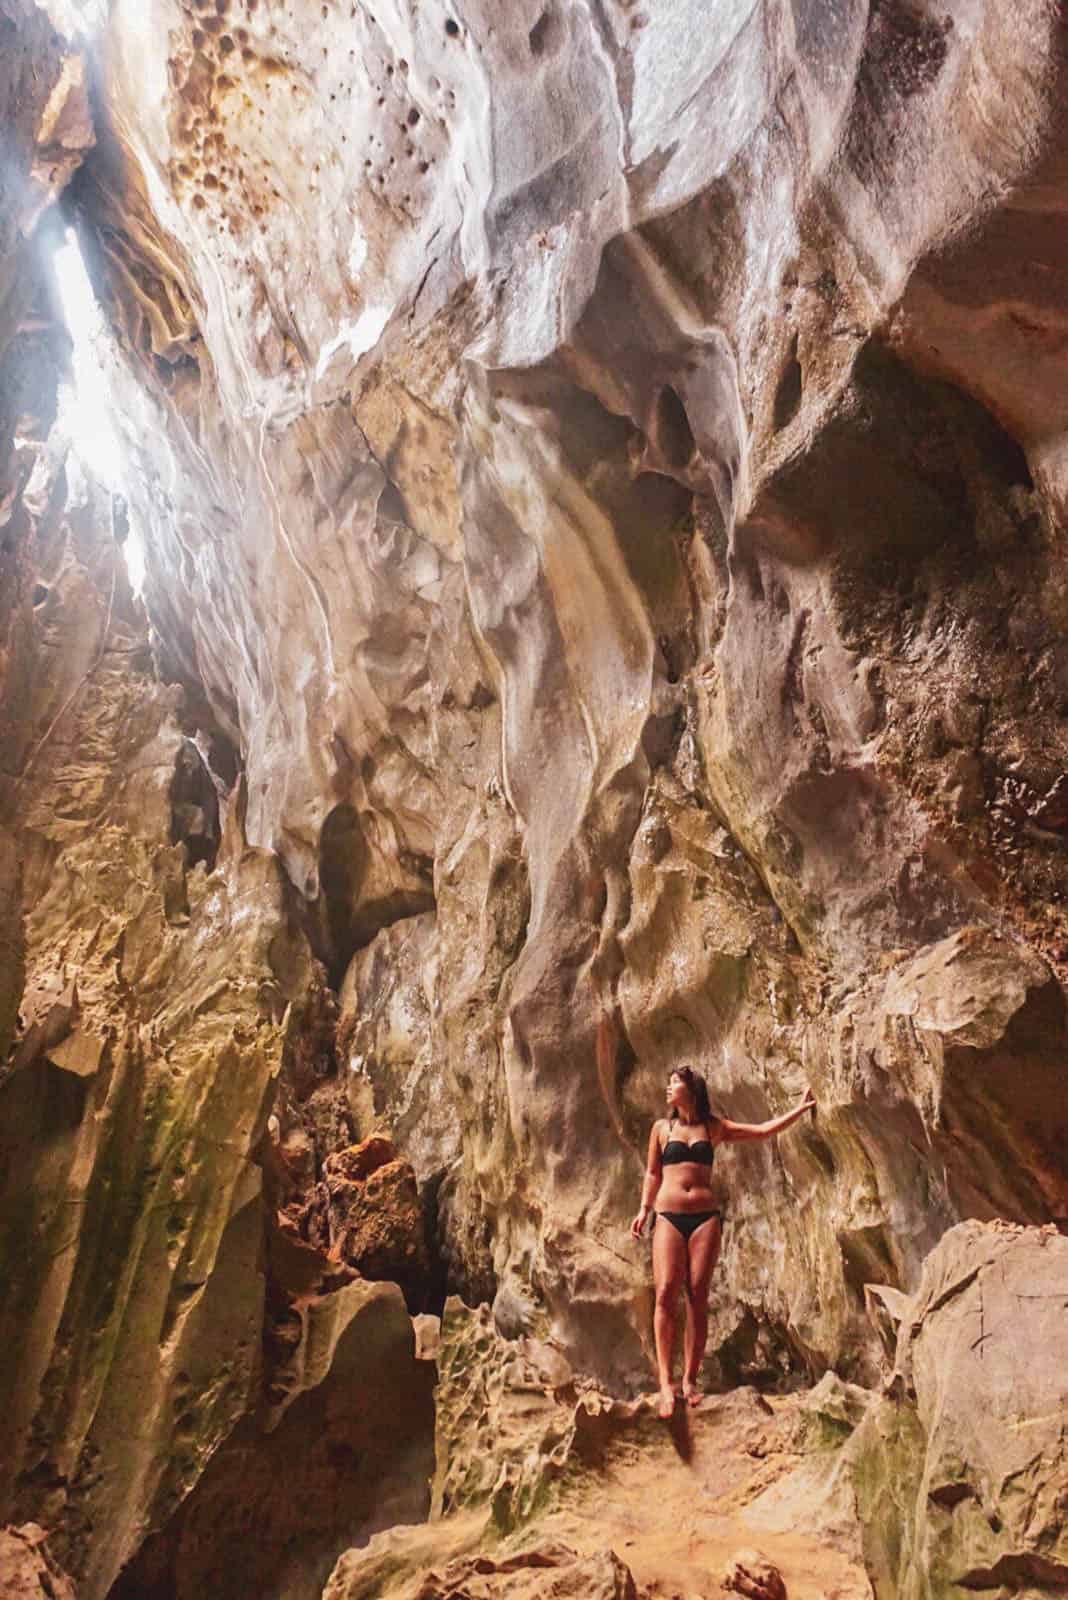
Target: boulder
(751,1574)
(960,1470)
(375,1213)
(544,1571)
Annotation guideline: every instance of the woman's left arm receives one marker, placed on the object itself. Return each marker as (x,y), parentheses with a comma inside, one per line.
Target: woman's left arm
(739,1132)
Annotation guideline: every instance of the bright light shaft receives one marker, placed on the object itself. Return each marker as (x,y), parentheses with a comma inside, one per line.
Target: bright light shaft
(85,407)
(75,17)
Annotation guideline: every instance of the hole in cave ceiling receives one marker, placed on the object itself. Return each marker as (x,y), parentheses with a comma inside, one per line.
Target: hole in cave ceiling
(86,405)
(78,16)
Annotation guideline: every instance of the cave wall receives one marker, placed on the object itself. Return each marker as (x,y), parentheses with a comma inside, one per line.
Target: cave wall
(157,997)
(601,476)
(605,559)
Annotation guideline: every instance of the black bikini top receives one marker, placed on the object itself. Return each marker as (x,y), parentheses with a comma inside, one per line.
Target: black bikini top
(702,1151)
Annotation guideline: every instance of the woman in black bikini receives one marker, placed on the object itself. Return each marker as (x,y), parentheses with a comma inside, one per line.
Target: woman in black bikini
(678,1177)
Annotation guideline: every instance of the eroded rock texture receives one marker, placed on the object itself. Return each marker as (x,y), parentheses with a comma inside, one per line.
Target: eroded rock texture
(615,603)
(157,998)
(960,1471)
(603,483)
(352,1455)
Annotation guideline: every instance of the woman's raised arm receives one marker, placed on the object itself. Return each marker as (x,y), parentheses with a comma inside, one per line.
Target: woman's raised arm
(740,1132)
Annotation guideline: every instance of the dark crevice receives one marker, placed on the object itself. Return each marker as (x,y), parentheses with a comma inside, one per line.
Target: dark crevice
(546,33)
(1016,1572)
(345,918)
(391,506)
(438,1284)
(949,1495)
(865,1260)
(343,860)
(194,808)
(788,393)
(674,436)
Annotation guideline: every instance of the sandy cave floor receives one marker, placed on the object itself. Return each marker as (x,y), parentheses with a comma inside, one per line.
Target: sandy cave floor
(676,1503)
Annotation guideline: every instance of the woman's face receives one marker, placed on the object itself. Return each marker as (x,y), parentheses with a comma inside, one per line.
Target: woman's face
(677,1092)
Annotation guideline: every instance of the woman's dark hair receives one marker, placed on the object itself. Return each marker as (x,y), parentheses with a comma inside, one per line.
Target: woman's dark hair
(699,1089)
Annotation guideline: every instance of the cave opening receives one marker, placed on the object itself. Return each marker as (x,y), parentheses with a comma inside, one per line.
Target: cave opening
(87,408)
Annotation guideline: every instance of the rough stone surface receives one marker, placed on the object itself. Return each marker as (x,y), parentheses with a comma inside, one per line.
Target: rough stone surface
(638,644)
(961,1472)
(352,1455)
(136,1091)
(27,1571)
(375,1218)
(752,1575)
(603,478)
(676,1504)
(156,994)
(546,1572)
(517,1398)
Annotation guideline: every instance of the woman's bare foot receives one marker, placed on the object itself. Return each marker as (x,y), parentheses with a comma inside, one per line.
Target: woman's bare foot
(665,1403)
(691,1393)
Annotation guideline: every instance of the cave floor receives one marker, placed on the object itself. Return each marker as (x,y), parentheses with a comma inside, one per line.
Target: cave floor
(677,1503)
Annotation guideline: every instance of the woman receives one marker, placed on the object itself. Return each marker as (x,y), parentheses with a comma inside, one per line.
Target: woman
(678,1176)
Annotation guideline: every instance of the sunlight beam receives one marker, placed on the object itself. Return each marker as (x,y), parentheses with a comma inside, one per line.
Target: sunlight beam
(85,405)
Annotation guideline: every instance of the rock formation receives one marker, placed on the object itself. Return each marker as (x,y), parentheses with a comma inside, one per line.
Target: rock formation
(602,480)
(960,1468)
(26,1569)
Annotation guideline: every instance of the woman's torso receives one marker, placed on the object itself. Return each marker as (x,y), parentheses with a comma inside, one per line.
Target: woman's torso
(685,1182)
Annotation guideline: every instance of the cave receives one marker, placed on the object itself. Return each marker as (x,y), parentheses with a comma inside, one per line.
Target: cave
(532,558)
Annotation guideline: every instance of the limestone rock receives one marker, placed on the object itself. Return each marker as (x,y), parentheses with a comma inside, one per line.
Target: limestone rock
(145,1065)
(630,625)
(503,1435)
(427,1329)
(677,1502)
(357,1163)
(27,1571)
(604,609)
(385,1035)
(375,1216)
(352,1454)
(961,1472)
(966,989)
(751,1574)
(538,1573)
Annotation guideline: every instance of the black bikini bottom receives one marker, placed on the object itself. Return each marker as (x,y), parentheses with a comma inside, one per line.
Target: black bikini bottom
(688,1221)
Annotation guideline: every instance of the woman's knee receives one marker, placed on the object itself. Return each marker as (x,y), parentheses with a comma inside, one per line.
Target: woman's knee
(667,1296)
(697,1298)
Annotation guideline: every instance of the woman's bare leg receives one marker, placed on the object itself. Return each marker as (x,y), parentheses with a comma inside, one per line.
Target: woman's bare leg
(703,1255)
(669,1274)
